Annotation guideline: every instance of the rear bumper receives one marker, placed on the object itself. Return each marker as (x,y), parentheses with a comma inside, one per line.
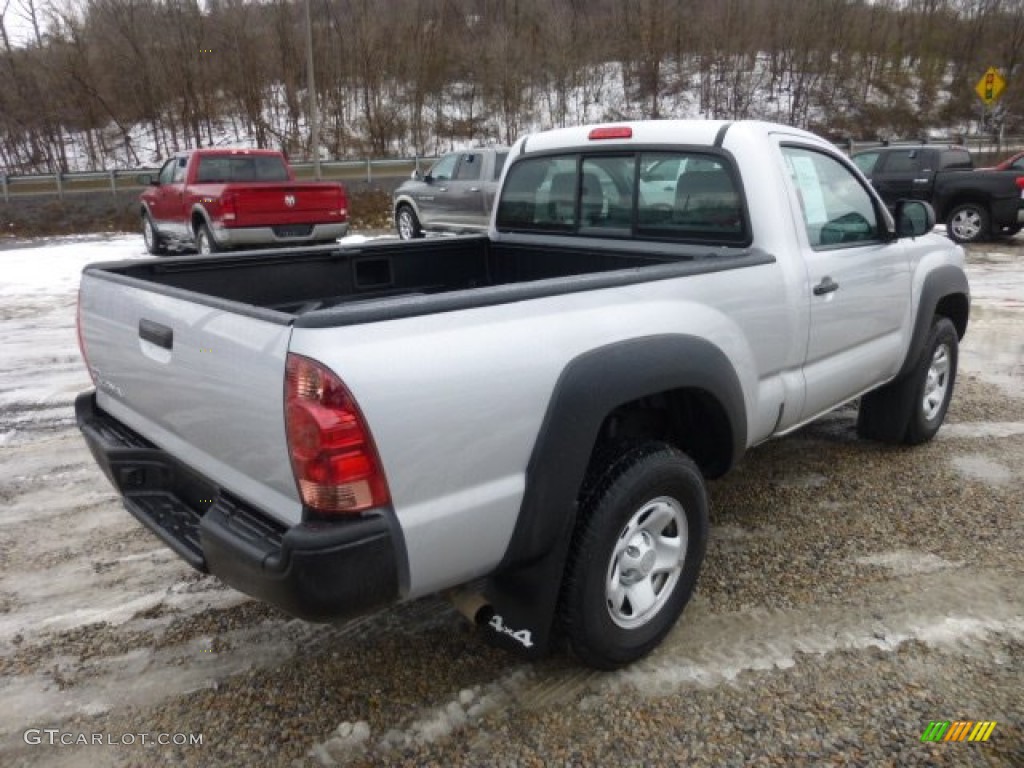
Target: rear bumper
(236,237)
(319,571)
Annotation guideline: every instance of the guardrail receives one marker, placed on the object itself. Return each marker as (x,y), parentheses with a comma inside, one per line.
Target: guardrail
(366,170)
(114,181)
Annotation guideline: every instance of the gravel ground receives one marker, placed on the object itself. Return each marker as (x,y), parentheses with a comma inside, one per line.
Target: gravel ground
(852,593)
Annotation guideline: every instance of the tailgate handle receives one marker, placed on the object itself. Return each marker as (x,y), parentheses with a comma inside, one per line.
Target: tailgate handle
(155,333)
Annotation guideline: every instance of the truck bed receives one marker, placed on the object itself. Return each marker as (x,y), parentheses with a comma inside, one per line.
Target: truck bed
(345,285)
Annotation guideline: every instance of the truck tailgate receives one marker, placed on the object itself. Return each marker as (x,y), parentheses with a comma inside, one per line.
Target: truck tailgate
(204,383)
(287,204)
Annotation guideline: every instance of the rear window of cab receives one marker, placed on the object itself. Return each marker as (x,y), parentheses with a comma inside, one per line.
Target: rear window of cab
(679,196)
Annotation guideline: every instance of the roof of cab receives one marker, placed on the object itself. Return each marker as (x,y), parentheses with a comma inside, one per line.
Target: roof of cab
(230,151)
(693,132)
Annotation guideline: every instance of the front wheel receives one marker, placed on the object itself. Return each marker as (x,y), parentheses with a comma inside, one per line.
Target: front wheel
(635,555)
(205,243)
(407,224)
(154,245)
(911,409)
(968,223)
(933,382)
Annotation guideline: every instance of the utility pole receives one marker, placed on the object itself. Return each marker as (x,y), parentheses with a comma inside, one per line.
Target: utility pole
(314,119)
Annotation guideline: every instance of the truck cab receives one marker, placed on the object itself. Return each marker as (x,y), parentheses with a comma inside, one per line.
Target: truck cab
(909,172)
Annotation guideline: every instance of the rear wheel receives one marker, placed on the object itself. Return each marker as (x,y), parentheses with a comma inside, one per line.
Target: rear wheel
(968,223)
(635,555)
(407,224)
(205,243)
(154,244)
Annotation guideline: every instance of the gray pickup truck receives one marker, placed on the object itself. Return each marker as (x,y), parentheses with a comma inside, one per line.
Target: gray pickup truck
(524,420)
(456,195)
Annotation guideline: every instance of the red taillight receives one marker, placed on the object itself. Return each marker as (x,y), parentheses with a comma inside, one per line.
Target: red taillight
(611,132)
(335,462)
(81,338)
(343,204)
(1020,183)
(228,209)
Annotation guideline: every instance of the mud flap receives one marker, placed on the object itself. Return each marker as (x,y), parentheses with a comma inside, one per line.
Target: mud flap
(523,600)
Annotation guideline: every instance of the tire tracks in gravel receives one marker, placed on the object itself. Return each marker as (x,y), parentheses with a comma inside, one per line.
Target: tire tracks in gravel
(958,610)
(122,624)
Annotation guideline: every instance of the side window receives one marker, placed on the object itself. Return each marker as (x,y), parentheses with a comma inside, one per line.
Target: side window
(900,161)
(955,158)
(499,164)
(1017,165)
(469,167)
(866,161)
(444,168)
(167,172)
(837,210)
(179,170)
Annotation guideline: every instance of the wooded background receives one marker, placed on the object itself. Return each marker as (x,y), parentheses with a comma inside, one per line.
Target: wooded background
(105,82)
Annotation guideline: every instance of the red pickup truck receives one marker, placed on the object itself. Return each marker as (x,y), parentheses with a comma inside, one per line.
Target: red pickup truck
(216,199)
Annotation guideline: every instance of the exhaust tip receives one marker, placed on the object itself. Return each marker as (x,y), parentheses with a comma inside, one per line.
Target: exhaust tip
(473,605)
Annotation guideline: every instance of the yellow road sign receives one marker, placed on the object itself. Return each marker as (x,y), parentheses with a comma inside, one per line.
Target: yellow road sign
(990,87)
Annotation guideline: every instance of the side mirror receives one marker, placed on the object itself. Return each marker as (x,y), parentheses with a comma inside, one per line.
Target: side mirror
(428,178)
(914,218)
(145,180)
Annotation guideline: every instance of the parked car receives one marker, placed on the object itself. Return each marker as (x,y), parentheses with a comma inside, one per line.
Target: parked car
(1012,163)
(974,206)
(216,199)
(659,178)
(524,420)
(455,195)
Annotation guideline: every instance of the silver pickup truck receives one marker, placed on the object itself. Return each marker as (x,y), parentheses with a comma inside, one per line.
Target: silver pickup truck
(525,419)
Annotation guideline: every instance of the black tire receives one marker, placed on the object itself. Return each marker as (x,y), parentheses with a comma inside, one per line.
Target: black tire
(642,499)
(406,222)
(154,244)
(911,410)
(205,244)
(968,223)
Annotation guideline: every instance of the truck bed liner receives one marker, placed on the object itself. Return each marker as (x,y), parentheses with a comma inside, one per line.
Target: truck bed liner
(298,282)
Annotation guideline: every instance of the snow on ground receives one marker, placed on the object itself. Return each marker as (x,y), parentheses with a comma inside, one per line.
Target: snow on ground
(53,265)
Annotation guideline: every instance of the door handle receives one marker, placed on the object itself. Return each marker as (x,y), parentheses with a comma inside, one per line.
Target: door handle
(827,285)
(474,189)
(442,189)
